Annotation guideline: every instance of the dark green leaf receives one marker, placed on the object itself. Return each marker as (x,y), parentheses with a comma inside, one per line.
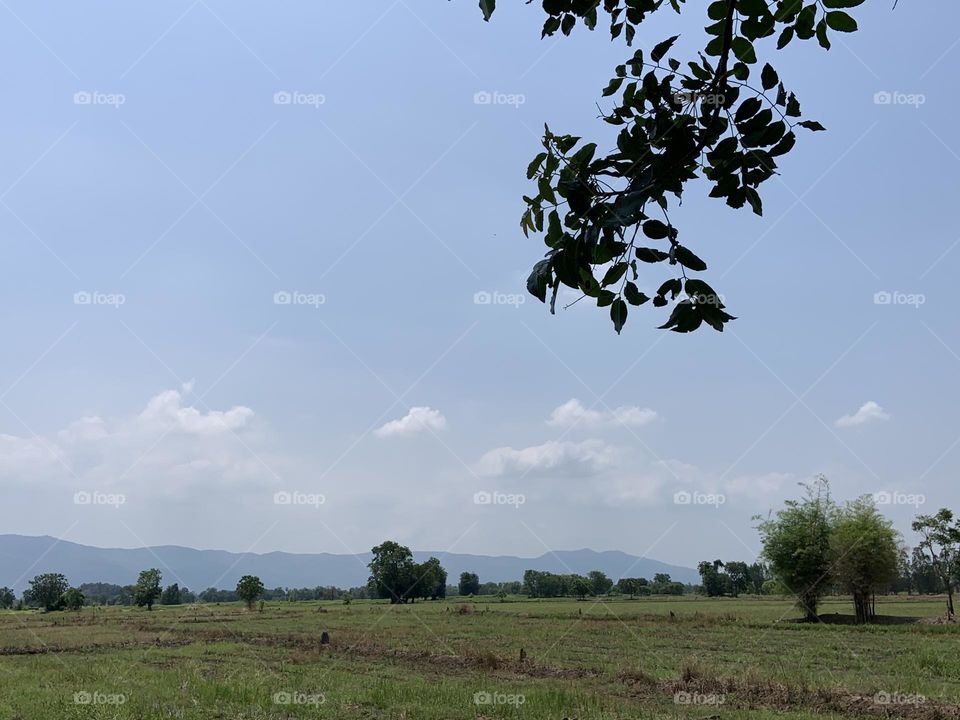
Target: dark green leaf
(618,314)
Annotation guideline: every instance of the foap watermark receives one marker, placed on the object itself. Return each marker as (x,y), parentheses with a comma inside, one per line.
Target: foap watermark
(694,698)
(95,297)
(486,97)
(485,497)
(895,97)
(295,497)
(485,297)
(295,697)
(85,697)
(295,97)
(295,297)
(688,97)
(895,297)
(484,697)
(897,698)
(886,497)
(114,500)
(95,97)
(685,497)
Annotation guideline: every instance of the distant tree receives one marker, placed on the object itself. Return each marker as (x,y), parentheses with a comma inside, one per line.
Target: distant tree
(147,590)
(213,595)
(249,589)
(469,584)
(392,572)
(633,586)
(600,584)
(47,591)
(941,542)
(100,593)
(431,580)
(738,575)
(796,542)
(715,583)
(864,550)
(757,574)
(579,586)
(7,598)
(171,596)
(73,599)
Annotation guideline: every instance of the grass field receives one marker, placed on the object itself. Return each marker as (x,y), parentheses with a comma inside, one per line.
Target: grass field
(646,658)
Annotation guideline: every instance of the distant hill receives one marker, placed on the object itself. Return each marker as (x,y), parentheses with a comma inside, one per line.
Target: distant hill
(22,557)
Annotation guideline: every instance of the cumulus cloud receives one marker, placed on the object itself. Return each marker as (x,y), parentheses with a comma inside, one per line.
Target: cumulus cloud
(167,409)
(417,420)
(166,441)
(573,413)
(557,457)
(868,412)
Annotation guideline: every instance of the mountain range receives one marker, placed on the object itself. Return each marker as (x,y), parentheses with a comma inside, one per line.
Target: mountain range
(23,557)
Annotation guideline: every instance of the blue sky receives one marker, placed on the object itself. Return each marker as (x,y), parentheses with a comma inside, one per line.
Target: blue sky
(189,190)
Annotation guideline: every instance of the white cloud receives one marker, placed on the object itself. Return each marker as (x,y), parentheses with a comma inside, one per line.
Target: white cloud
(166,409)
(556,457)
(573,413)
(417,420)
(868,412)
(166,442)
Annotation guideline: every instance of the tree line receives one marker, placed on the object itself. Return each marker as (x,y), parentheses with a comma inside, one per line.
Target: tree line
(812,547)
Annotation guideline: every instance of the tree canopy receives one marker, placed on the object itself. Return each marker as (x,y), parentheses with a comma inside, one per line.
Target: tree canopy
(724,116)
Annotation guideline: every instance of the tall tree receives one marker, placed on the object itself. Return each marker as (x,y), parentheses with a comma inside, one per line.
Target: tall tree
(171,596)
(796,542)
(73,599)
(147,590)
(600,584)
(865,550)
(725,116)
(469,584)
(392,572)
(941,542)
(249,589)
(7,598)
(47,591)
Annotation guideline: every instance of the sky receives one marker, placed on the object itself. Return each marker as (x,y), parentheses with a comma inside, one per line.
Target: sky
(264,288)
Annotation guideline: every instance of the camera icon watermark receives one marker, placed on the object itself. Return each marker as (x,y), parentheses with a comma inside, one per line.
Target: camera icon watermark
(85,697)
(486,497)
(294,697)
(495,97)
(95,297)
(295,97)
(895,97)
(689,97)
(285,497)
(295,297)
(885,497)
(84,497)
(685,497)
(498,698)
(895,297)
(95,97)
(694,698)
(485,297)
(897,698)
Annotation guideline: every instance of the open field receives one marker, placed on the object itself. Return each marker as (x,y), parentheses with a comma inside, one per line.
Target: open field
(744,658)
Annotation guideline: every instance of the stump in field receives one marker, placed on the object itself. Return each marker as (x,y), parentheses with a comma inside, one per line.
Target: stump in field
(325,638)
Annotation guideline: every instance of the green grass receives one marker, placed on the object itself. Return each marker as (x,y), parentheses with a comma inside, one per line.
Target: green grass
(598,660)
